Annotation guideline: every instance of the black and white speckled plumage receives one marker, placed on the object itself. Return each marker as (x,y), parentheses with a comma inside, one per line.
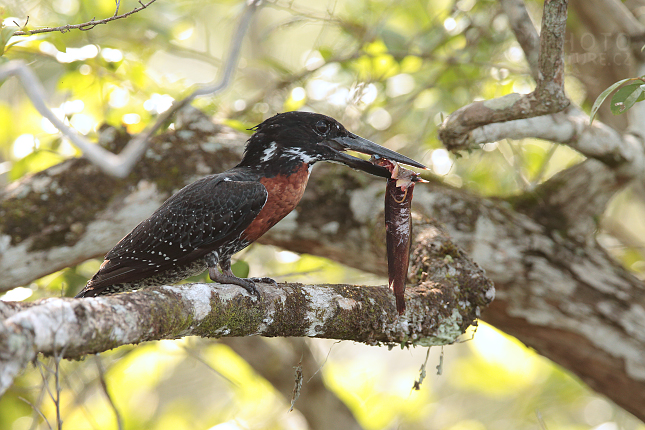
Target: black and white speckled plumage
(211,219)
(171,245)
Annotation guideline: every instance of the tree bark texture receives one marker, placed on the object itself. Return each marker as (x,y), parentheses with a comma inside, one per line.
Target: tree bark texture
(447,299)
(554,285)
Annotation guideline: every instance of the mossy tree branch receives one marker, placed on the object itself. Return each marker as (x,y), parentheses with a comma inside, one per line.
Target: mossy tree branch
(445,302)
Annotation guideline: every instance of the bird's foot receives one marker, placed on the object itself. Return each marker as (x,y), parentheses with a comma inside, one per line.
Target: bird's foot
(264,281)
(223,278)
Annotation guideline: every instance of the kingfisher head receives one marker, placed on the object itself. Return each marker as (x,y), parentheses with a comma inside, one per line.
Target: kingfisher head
(293,138)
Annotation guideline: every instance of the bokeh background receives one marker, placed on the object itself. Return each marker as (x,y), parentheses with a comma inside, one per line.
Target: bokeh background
(389,71)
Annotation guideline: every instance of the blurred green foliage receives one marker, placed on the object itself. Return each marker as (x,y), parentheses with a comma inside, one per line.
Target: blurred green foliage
(389,71)
(488,382)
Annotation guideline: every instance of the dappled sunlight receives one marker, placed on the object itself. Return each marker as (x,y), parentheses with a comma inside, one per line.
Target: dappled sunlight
(496,347)
(161,384)
(24,145)
(18,294)
(378,393)
(502,367)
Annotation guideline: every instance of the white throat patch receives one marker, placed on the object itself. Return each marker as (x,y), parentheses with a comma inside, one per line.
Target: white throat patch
(300,155)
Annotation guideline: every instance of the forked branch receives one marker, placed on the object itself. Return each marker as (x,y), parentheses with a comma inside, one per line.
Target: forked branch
(548,96)
(121,165)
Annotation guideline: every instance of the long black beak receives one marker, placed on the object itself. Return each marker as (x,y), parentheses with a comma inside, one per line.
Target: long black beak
(359,144)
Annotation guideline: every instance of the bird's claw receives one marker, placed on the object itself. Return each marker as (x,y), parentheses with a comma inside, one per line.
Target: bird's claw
(264,280)
(250,287)
(228,278)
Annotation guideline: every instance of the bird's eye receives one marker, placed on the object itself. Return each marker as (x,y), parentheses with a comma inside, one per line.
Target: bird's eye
(322,127)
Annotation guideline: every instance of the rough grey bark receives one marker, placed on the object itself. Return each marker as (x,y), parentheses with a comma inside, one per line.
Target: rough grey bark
(448,297)
(557,286)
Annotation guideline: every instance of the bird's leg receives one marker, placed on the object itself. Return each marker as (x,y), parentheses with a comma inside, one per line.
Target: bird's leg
(227,276)
(227,270)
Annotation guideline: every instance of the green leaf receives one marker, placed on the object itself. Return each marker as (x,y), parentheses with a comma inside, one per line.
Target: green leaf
(625,98)
(601,98)
(34,162)
(235,124)
(394,41)
(633,98)
(326,52)
(240,269)
(59,41)
(375,48)
(5,35)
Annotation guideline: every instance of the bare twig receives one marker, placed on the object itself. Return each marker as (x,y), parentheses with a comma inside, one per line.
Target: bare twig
(101,370)
(297,385)
(524,31)
(55,397)
(108,161)
(121,165)
(24,25)
(540,419)
(616,11)
(36,409)
(137,146)
(234,53)
(196,355)
(86,25)
(517,161)
(543,166)
(40,365)
(57,358)
(323,363)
